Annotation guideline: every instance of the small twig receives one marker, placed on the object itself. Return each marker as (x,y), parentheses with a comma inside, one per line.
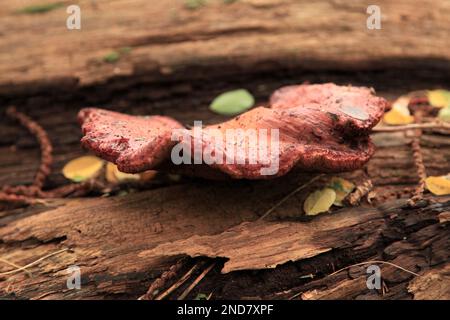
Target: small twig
(384,288)
(295,295)
(44,295)
(421,173)
(44,143)
(161,281)
(362,264)
(290,195)
(432,125)
(418,162)
(16,198)
(32,263)
(196,281)
(28,194)
(180,282)
(363,189)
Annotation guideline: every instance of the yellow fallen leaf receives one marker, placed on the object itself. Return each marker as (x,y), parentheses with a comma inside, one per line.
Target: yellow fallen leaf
(394,117)
(342,188)
(439,98)
(82,168)
(399,113)
(113,175)
(319,201)
(401,104)
(444,114)
(438,185)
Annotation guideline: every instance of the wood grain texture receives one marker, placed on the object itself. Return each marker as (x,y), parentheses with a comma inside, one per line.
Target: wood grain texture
(168,40)
(121,243)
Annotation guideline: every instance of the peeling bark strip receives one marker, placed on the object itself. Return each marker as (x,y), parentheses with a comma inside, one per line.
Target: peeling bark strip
(322,128)
(259,245)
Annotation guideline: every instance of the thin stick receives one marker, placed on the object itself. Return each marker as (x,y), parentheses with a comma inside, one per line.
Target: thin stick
(418,163)
(432,125)
(361,190)
(290,195)
(32,263)
(373,262)
(44,143)
(196,281)
(162,280)
(12,264)
(180,282)
(361,264)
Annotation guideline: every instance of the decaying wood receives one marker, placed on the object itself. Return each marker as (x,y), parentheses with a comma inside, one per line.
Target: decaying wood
(434,284)
(50,73)
(122,243)
(259,245)
(191,43)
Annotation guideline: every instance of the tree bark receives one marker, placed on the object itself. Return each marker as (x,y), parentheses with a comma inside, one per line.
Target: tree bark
(177,64)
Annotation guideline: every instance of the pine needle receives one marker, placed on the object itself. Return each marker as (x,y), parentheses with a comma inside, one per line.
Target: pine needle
(12,264)
(18,269)
(362,264)
(432,125)
(374,262)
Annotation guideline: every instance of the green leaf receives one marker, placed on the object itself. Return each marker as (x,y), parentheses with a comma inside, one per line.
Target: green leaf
(342,188)
(201,296)
(125,50)
(232,102)
(444,114)
(194,4)
(40,8)
(78,179)
(112,57)
(439,98)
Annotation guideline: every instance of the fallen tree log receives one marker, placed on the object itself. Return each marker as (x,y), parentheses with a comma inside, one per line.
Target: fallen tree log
(175,65)
(123,243)
(184,43)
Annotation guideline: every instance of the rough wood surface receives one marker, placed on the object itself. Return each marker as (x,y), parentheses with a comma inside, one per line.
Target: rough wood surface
(169,40)
(122,243)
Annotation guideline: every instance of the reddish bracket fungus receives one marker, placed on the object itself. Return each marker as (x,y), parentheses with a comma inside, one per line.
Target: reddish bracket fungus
(321,128)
